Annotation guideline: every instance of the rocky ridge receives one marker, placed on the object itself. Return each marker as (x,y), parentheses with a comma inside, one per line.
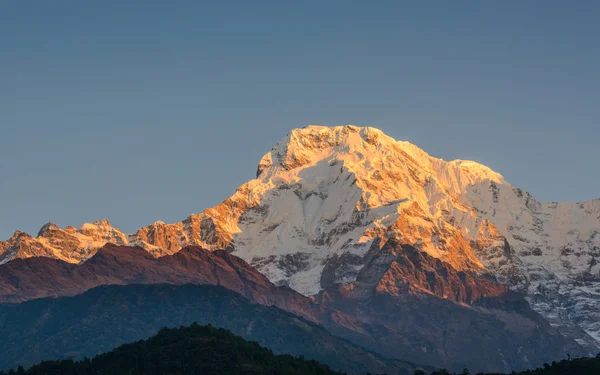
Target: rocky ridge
(404,305)
(324,196)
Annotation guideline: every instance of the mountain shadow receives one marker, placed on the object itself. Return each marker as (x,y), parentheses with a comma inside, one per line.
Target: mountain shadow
(192,350)
(108,316)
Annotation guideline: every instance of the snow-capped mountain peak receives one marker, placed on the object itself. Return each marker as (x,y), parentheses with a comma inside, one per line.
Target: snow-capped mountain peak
(326,198)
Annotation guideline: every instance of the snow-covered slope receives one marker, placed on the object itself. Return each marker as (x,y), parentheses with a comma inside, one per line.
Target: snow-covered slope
(552,252)
(324,195)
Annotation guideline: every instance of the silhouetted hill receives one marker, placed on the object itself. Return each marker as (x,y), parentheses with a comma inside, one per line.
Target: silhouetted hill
(108,316)
(192,350)
(577,366)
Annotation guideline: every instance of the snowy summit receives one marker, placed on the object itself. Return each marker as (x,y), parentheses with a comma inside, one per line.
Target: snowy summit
(326,196)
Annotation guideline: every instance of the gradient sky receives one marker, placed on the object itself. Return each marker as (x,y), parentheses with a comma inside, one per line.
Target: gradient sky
(154,110)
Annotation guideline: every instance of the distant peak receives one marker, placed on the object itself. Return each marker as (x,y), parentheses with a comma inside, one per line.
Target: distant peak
(114,250)
(97,225)
(478,169)
(307,146)
(47,228)
(335,134)
(18,234)
(102,223)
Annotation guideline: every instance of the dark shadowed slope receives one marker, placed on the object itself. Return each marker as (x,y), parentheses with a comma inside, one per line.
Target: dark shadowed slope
(105,317)
(25,279)
(450,318)
(405,304)
(192,350)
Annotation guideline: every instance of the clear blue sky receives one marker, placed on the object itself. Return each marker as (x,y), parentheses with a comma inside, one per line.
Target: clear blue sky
(153,110)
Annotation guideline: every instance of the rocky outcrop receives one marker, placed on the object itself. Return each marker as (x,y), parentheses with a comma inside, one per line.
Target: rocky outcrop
(458,318)
(69,244)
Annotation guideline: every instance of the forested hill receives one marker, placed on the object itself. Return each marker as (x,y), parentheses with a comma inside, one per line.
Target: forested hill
(103,318)
(209,350)
(577,366)
(191,350)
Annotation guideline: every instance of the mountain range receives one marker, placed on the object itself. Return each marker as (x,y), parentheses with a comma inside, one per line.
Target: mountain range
(108,316)
(190,350)
(208,350)
(410,324)
(375,232)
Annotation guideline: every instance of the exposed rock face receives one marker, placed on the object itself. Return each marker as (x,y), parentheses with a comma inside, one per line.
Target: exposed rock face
(455,317)
(398,270)
(324,195)
(69,244)
(396,307)
(550,254)
(38,277)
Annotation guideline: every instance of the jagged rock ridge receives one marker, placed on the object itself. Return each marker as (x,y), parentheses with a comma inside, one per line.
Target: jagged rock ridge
(401,286)
(324,195)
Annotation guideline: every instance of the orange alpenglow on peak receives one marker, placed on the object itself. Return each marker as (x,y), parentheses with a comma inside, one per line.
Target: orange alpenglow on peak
(326,198)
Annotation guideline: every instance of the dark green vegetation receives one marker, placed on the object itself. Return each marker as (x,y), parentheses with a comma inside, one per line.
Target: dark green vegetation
(209,350)
(192,350)
(105,317)
(577,366)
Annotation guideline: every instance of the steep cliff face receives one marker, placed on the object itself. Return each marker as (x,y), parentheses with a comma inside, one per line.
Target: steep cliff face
(324,196)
